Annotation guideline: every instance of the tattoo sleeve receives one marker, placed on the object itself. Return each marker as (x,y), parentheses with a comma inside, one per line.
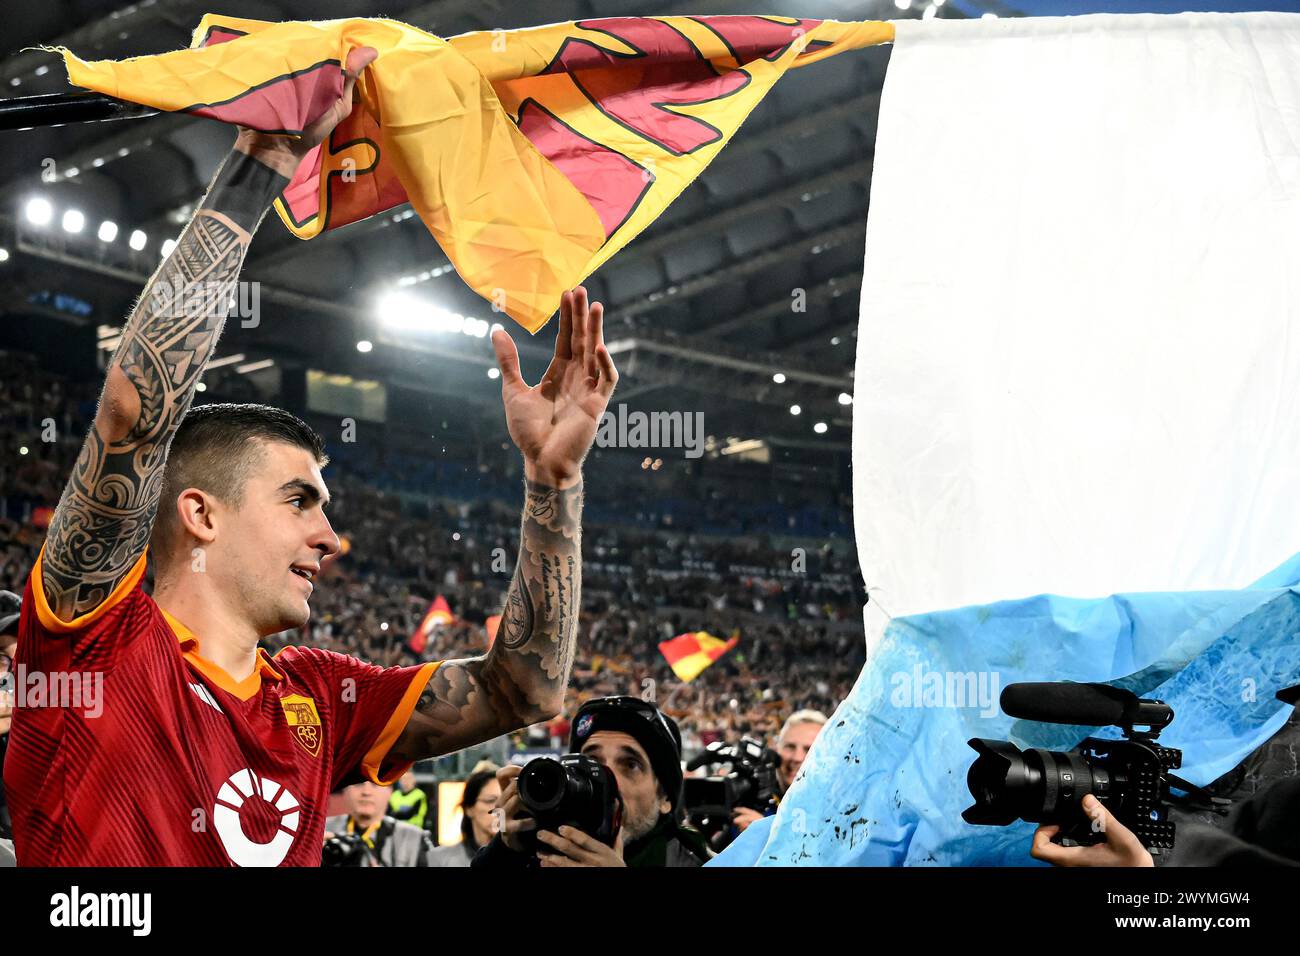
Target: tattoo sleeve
(523,678)
(107,510)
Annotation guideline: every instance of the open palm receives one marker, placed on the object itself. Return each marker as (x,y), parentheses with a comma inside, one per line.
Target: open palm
(554,422)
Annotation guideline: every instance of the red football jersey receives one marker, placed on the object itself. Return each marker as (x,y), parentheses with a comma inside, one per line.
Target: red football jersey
(150,755)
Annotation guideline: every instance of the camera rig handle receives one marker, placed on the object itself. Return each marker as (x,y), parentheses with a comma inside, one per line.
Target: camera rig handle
(1155,715)
(1197,798)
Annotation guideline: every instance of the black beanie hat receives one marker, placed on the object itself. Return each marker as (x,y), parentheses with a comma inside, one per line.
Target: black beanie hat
(645,723)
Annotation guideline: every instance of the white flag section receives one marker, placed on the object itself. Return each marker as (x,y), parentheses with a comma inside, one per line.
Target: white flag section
(1078,364)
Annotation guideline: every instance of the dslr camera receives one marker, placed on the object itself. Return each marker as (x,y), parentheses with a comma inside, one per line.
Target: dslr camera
(575,791)
(1130,776)
(751,782)
(347,849)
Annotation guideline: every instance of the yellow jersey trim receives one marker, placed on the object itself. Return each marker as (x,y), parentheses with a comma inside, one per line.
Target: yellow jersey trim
(51,622)
(397,722)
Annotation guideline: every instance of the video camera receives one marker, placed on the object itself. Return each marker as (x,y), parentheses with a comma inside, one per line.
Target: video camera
(1131,777)
(575,791)
(751,782)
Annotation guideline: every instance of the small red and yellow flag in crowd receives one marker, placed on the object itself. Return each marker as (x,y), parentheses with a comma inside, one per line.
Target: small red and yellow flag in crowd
(438,615)
(493,623)
(532,156)
(689,654)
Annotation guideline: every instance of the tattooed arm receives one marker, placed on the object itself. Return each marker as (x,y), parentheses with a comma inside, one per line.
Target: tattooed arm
(103,521)
(522,679)
(102,524)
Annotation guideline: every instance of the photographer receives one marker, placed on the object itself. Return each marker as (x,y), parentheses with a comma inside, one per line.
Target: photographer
(641,746)
(795,740)
(367,837)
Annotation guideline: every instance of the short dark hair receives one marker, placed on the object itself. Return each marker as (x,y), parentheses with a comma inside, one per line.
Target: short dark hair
(473,787)
(216,447)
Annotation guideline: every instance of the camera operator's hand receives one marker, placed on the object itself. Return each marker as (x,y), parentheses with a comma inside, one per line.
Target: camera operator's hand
(575,848)
(744,816)
(1120,848)
(512,818)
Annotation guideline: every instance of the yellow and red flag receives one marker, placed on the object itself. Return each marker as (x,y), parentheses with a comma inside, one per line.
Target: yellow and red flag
(493,623)
(689,654)
(438,615)
(532,156)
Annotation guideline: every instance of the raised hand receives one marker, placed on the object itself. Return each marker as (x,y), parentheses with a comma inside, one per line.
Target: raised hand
(554,422)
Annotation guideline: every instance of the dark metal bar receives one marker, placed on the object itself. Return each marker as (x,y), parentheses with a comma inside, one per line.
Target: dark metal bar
(59,109)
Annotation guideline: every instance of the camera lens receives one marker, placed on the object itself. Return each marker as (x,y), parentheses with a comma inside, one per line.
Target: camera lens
(1065,779)
(542,784)
(1034,785)
(999,779)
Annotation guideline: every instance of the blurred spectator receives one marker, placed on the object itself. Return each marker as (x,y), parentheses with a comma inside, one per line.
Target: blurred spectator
(478,805)
(797,735)
(409,803)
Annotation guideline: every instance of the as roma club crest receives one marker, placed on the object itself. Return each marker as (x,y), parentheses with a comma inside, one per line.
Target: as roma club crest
(304,721)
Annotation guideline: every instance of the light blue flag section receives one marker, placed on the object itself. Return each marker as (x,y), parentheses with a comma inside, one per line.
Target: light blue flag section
(885,782)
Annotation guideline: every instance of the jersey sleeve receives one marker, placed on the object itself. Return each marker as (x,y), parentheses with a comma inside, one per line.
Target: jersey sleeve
(89,639)
(369,708)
